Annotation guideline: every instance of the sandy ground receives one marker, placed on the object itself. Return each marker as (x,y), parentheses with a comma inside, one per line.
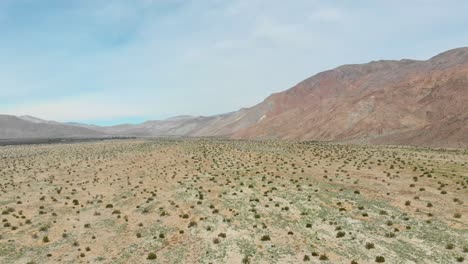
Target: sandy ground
(214,201)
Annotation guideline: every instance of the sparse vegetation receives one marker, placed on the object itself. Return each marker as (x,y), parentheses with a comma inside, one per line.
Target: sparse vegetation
(151,256)
(379,259)
(140,200)
(370,245)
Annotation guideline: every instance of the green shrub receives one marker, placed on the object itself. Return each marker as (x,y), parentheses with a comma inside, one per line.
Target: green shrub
(370,245)
(379,259)
(340,234)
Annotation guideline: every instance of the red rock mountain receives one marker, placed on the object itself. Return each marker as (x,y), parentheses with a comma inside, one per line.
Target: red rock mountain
(393,102)
(385,102)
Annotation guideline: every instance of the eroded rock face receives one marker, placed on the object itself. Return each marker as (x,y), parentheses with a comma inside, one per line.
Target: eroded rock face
(396,102)
(391,102)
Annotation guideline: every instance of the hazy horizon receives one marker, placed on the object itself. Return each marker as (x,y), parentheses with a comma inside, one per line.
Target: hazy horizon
(105,63)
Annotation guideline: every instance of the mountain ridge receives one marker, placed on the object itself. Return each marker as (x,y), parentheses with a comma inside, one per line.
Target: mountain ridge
(410,102)
(12,127)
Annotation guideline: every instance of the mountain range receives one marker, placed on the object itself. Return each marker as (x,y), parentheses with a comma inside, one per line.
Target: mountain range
(407,102)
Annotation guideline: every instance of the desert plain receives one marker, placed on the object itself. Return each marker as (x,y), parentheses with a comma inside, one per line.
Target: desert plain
(228,201)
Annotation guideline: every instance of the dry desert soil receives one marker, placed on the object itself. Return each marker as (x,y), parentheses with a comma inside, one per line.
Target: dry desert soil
(226,201)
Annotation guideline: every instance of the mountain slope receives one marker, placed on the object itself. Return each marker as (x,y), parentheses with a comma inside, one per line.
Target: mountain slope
(386,102)
(12,127)
(392,102)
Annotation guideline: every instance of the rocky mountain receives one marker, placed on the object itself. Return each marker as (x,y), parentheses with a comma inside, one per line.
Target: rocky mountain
(385,102)
(12,127)
(392,102)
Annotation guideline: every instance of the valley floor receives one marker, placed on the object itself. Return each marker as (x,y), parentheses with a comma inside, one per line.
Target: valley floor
(215,201)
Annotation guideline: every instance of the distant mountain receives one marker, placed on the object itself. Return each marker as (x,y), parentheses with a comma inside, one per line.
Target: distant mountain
(76,124)
(12,127)
(37,120)
(187,126)
(386,102)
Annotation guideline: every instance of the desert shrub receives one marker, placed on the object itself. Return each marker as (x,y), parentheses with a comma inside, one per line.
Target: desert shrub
(151,256)
(246,260)
(370,245)
(379,259)
(340,234)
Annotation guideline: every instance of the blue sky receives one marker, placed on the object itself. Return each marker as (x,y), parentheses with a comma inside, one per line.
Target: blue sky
(107,62)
